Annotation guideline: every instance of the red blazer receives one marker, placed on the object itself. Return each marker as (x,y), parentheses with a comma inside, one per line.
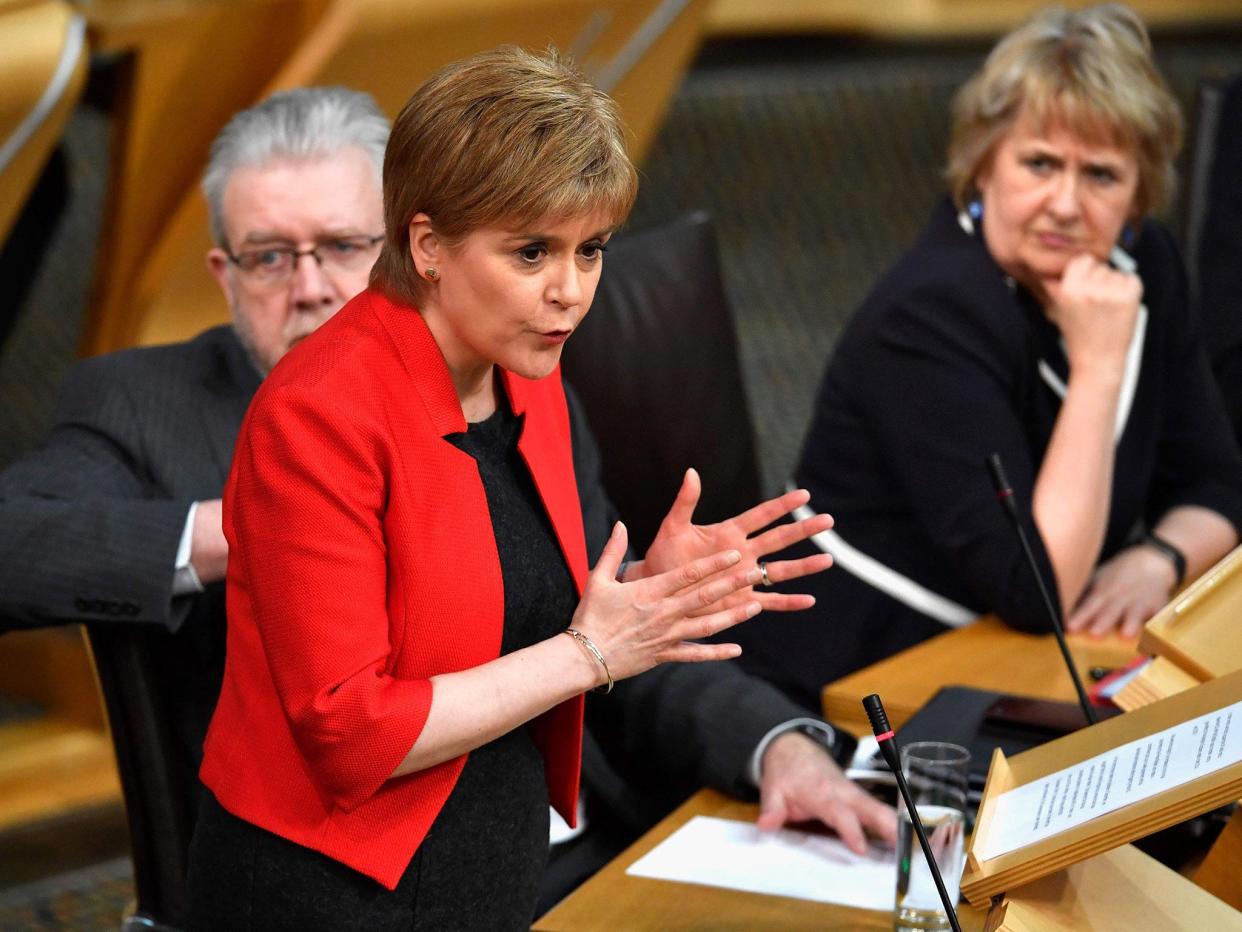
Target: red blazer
(361,562)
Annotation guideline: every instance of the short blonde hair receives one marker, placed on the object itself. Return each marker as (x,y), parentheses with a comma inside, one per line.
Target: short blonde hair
(504,137)
(1090,71)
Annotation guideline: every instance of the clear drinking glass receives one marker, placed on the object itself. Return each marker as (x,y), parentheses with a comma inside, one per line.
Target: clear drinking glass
(937,773)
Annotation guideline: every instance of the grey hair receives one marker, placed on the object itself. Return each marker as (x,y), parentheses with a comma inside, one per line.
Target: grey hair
(306,122)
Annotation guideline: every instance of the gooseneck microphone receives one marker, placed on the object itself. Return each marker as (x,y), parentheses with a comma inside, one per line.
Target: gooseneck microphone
(1004,495)
(888,747)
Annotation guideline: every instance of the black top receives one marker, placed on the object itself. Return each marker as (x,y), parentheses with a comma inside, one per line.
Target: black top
(485,853)
(939,368)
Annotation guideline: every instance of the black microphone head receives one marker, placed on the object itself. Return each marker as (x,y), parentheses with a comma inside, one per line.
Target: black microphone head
(876,715)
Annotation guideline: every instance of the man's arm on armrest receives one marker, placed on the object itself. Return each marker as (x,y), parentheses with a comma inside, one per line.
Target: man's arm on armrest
(81,540)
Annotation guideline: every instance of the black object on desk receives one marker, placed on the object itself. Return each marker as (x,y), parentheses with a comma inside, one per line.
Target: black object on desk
(981,721)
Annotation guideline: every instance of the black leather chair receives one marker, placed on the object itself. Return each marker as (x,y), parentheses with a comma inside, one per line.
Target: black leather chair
(160,788)
(656,366)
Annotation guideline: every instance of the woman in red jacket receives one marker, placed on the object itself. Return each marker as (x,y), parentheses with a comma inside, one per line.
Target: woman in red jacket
(412,622)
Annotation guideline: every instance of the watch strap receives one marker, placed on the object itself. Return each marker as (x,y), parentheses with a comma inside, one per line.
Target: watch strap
(1173,553)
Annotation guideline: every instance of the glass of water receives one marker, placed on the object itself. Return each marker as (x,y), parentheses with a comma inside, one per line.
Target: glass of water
(937,774)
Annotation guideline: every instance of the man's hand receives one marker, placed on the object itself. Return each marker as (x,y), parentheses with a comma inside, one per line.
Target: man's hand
(680,541)
(209,551)
(801,782)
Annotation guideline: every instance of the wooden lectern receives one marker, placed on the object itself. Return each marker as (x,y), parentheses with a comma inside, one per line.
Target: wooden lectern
(1196,637)
(991,876)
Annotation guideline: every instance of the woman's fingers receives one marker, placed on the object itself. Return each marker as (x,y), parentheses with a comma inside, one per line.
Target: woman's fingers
(1105,616)
(692,652)
(691,575)
(781,536)
(694,600)
(783,602)
(1133,621)
(784,570)
(687,499)
(765,513)
(709,625)
(613,554)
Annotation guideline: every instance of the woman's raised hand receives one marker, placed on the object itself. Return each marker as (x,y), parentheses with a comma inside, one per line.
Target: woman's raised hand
(1095,307)
(679,540)
(637,625)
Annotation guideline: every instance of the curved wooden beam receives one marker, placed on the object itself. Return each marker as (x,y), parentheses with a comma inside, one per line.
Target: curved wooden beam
(43,56)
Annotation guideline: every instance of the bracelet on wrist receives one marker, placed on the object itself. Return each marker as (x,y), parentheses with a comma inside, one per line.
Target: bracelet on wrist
(1171,552)
(595,652)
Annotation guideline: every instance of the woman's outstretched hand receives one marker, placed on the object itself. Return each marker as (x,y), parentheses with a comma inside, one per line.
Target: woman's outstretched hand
(679,541)
(641,623)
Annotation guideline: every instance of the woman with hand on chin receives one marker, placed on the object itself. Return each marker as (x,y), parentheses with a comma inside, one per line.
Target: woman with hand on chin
(1041,315)
(412,621)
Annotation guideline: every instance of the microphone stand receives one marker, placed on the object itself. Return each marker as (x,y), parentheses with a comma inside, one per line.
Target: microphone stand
(888,747)
(1004,495)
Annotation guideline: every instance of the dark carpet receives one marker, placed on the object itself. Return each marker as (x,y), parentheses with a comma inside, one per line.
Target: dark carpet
(89,899)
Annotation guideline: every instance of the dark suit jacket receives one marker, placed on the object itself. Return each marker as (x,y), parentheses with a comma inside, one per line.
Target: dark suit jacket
(90,521)
(96,513)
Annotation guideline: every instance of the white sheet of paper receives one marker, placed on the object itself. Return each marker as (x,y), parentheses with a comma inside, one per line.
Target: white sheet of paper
(736,855)
(1116,778)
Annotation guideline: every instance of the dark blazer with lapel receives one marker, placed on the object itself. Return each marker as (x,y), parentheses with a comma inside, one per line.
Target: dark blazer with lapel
(90,521)
(940,367)
(92,518)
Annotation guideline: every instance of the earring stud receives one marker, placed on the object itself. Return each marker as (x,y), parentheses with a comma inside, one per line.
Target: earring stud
(433,274)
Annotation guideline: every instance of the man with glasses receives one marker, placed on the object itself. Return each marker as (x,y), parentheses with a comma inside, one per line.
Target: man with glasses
(116,517)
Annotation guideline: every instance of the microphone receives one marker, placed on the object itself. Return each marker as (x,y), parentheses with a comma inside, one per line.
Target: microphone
(1004,495)
(888,747)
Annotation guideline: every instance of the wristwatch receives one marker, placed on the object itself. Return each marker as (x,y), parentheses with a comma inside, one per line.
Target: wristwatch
(1175,555)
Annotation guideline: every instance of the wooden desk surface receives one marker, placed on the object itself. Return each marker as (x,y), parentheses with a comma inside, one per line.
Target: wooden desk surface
(614,900)
(985,655)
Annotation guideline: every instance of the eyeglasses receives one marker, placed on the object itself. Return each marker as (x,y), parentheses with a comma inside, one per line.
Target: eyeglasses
(275,265)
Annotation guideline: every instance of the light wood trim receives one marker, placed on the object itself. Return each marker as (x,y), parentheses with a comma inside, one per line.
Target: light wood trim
(1120,889)
(52,766)
(1198,630)
(51,667)
(1221,871)
(1157,680)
